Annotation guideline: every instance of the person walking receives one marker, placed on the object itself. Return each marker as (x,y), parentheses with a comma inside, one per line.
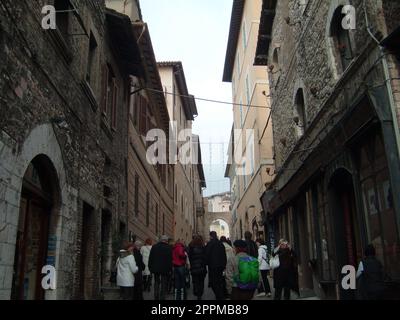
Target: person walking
(138,288)
(370,276)
(285,276)
(230,254)
(216,262)
(264,289)
(242,273)
(126,269)
(160,264)
(179,262)
(252,249)
(198,269)
(145,251)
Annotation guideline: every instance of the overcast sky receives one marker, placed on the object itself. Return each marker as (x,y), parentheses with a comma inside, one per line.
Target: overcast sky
(196,33)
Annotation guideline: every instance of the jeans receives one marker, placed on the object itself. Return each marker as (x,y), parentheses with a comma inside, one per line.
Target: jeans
(239,294)
(126,293)
(264,287)
(278,293)
(180,283)
(160,286)
(216,279)
(198,285)
(147,283)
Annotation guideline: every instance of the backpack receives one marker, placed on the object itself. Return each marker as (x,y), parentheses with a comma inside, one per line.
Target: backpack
(248,276)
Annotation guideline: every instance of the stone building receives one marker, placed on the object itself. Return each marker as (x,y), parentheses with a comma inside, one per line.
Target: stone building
(251,148)
(182,111)
(150,185)
(335,111)
(63,145)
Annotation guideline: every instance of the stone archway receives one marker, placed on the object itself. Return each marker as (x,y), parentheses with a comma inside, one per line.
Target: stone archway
(210,217)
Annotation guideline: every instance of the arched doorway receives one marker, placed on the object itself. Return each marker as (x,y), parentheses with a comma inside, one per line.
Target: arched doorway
(346,225)
(221,227)
(36,240)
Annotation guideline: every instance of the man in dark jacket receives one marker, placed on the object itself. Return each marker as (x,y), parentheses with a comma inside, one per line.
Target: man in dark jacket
(216,262)
(160,264)
(138,288)
(252,249)
(370,275)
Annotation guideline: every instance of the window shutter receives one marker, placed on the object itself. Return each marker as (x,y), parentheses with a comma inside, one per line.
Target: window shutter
(114,104)
(104,86)
(143,116)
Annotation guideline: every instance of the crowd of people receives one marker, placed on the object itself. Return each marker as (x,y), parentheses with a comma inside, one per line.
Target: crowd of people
(235,270)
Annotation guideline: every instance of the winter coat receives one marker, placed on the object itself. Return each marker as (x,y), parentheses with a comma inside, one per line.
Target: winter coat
(126,269)
(286,275)
(197,258)
(160,259)
(252,250)
(179,255)
(139,262)
(145,251)
(371,285)
(232,270)
(215,254)
(263,257)
(231,260)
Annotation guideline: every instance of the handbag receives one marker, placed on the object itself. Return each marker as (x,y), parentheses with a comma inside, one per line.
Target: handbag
(274,262)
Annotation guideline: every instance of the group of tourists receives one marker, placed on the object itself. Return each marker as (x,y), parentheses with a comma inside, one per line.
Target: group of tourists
(235,271)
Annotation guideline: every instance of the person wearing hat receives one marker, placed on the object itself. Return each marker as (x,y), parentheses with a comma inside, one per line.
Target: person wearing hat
(160,264)
(239,292)
(126,269)
(286,275)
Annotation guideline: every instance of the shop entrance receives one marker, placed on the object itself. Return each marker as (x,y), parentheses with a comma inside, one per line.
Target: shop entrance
(32,244)
(346,225)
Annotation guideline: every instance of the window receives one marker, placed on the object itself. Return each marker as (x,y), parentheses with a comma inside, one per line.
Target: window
(244,34)
(238,66)
(300,113)
(248,95)
(110,93)
(62,17)
(241,113)
(147,209)
(91,58)
(136,195)
(341,42)
(156,218)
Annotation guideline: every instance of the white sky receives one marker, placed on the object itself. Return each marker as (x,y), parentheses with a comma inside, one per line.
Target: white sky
(196,33)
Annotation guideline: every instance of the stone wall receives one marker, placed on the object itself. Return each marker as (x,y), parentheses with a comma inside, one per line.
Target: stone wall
(40,88)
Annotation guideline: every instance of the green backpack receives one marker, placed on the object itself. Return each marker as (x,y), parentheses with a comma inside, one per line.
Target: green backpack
(248,276)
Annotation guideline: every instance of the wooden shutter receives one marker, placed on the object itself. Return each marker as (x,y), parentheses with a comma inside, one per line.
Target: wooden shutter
(143,116)
(114,104)
(104,87)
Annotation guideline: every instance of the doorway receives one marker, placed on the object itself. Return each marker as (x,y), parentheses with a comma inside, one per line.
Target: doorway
(346,224)
(38,198)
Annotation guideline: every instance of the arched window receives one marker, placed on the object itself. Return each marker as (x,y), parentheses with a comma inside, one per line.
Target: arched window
(341,41)
(275,68)
(300,117)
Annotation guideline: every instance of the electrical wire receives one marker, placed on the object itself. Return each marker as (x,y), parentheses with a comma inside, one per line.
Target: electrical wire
(208,100)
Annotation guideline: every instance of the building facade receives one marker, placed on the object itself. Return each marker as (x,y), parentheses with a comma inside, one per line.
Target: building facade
(251,148)
(63,146)
(182,111)
(335,112)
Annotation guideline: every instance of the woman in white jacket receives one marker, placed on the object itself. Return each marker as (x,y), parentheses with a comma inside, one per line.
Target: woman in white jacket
(145,251)
(126,269)
(264,289)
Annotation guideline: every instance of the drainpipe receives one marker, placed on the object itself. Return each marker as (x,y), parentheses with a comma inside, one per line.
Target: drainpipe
(387,81)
